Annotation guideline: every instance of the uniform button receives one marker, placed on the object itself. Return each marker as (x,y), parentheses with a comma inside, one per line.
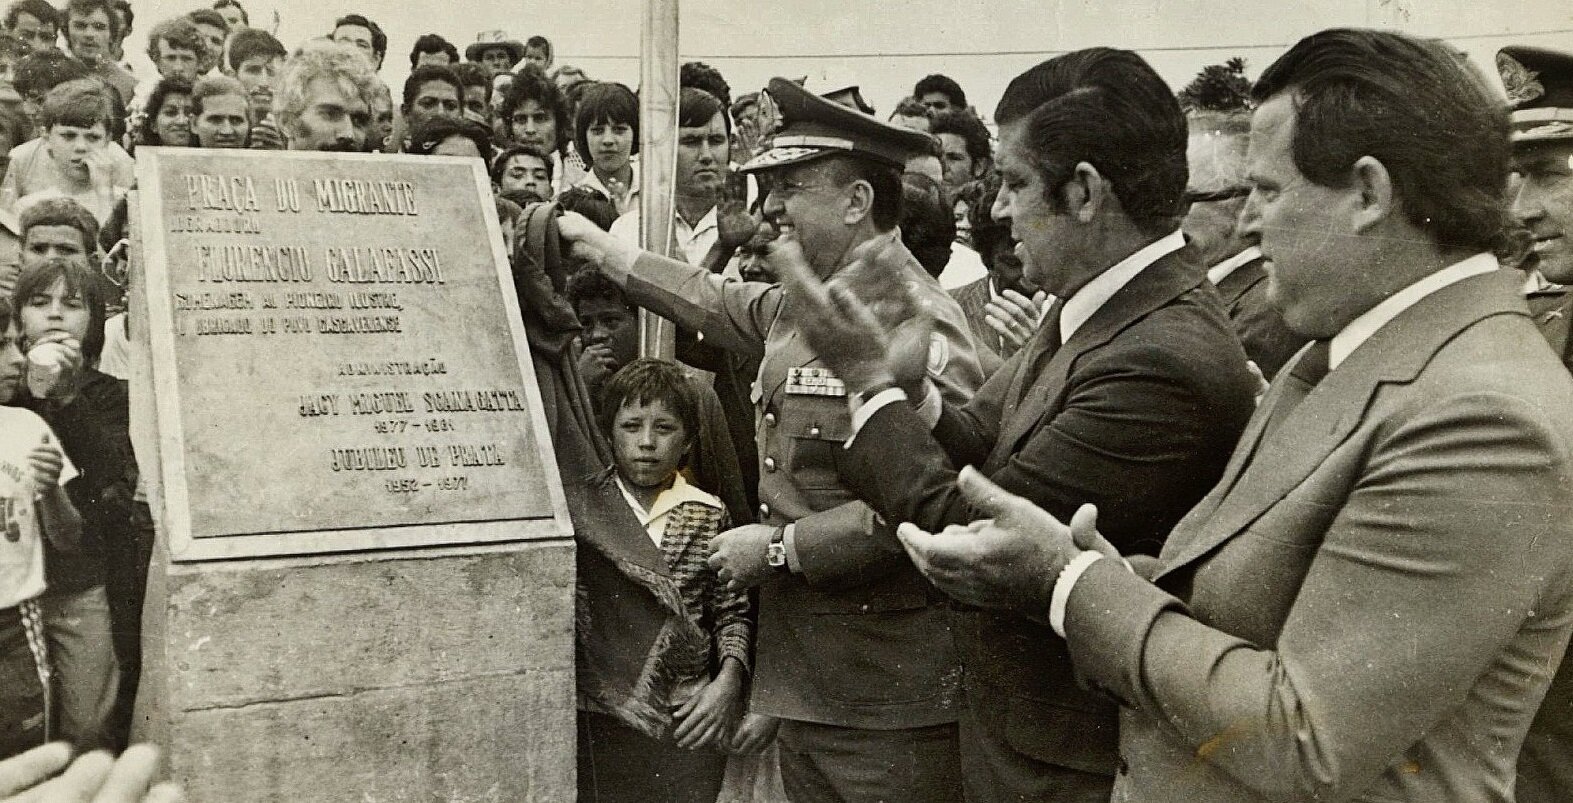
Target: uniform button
(770,464)
(764,510)
(770,419)
(813,432)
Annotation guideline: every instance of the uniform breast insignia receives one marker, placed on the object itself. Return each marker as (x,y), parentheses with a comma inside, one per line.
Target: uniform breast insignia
(814,382)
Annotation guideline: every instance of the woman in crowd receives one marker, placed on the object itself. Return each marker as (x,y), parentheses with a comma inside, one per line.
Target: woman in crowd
(168,119)
(606,131)
(220,113)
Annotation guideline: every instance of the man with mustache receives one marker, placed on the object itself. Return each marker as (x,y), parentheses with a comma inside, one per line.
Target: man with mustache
(325,97)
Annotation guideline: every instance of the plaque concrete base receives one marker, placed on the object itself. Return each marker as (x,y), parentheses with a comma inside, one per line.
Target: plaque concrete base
(434,674)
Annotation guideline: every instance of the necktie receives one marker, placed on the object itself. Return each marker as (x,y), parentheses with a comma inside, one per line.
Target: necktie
(1306,374)
(1044,343)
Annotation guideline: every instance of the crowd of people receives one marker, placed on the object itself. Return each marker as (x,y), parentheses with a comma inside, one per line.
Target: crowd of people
(1154,444)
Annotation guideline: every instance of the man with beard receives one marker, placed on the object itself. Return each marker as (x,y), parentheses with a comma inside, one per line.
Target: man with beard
(430,92)
(854,656)
(35,23)
(1539,84)
(325,98)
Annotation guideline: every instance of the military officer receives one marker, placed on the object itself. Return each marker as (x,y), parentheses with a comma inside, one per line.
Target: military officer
(1539,83)
(854,656)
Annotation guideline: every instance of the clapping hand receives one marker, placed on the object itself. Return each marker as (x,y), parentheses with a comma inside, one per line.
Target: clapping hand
(1010,560)
(1015,316)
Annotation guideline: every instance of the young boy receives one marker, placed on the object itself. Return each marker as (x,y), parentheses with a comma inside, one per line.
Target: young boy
(33,506)
(651,417)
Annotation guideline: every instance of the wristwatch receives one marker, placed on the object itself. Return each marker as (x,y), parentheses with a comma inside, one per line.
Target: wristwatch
(775,553)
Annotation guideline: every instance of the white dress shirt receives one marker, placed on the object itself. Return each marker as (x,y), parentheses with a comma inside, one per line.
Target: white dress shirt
(694,242)
(1222,270)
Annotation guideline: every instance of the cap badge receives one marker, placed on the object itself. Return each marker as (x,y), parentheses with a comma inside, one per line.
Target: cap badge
(1522,84)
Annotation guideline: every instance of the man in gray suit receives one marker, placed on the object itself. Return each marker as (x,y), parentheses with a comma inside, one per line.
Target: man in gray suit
(1370,602)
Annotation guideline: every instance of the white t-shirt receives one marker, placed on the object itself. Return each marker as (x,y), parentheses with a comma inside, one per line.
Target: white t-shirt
(21,539)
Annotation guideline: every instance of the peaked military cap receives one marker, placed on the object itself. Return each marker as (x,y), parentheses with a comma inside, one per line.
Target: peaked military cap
(813,127)
(1539,84)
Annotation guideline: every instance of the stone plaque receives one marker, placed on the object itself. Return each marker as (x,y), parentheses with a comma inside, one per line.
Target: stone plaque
(338,358)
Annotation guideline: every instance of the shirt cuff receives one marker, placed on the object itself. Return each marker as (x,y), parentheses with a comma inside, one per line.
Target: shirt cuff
(863,412)
(1063,586)
(789,541)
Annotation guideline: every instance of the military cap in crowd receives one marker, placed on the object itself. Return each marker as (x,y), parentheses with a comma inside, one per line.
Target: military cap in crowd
(813,127)
(1539,84)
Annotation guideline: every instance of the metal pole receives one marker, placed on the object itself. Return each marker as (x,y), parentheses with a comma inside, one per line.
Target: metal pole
(658,93)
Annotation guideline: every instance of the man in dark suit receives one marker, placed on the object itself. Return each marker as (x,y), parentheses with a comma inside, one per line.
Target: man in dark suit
(1539,83)
(1136,411)
(1216,193)
(853,655)
(1370,602)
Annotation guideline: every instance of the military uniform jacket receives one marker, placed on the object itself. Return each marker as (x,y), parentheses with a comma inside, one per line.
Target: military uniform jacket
(857,637)
(1369,604)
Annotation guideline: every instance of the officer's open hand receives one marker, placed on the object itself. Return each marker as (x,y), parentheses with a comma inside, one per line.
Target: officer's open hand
(608,254)
(1009,561)
(840,328)
(738,556)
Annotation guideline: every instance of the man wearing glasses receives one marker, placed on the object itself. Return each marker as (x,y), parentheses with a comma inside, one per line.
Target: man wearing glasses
(1217,189)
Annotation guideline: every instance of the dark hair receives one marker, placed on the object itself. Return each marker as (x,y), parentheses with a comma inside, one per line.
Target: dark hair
(700,75)
(500,161)
(433,131)
(529,83)
(943,84)
(589,284)
(179,32)
(215,86)
(471,74)
(235,4)
(541,43)
(648,380)
(593,205)
(123,7)
(885,180)
(1107,108)
(40,10)
(1410,105)
(79,279)
(987,233)
(207,16)
(61,212)
(82,8)
(43,70)
(696,107)
(610,103)
(427,73)
(249,43)
(155,103)
(5,314)
(379,40)
(963,123)
(928,223)
(432,43)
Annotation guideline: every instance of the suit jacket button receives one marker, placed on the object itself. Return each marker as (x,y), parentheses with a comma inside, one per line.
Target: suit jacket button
(764,510)
(813,432)
(770,464)
(1124,769)
(770,419)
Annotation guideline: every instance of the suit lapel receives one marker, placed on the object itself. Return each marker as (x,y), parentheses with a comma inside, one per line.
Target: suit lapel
(1264,472)
(1156,285)
(1240,280)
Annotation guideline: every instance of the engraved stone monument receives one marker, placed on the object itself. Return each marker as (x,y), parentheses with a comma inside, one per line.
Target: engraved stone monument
(363,581)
